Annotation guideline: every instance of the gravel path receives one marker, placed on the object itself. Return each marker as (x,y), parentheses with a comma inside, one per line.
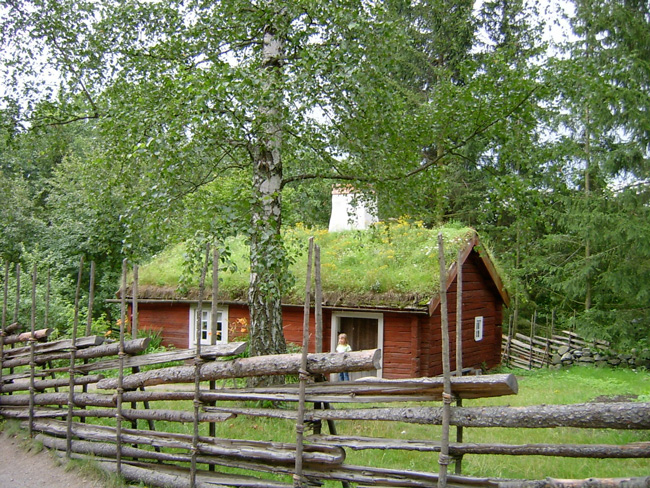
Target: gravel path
(27,469)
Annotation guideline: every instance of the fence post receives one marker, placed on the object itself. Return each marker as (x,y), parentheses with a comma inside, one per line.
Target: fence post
(73,357)
(120,377)
(300,423)
(32,348)
(198,362)
(459,348)
(443,459)
(4,318)
(214,312)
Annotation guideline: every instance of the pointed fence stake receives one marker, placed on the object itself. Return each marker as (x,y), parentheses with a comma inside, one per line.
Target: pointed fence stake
(198,362)
(443,459)
(300,423)
(32,348)
(73,358)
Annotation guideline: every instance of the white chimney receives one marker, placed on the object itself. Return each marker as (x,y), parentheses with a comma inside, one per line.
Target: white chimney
(345,215)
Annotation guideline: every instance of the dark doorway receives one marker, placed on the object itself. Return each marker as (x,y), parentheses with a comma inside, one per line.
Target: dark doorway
(362,334)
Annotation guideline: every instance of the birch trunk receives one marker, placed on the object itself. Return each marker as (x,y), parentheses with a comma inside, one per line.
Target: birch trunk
(267,255)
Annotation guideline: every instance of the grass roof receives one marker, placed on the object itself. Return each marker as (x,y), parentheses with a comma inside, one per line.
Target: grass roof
(391,265)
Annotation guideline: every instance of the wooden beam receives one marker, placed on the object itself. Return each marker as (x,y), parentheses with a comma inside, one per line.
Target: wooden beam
(625,416)
(431,388)
(279,364)
(207,352)
(600,451)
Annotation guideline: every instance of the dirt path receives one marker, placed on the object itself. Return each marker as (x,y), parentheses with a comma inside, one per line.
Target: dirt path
(27,469)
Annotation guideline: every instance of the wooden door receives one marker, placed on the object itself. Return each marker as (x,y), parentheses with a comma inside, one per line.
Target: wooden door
(362,334)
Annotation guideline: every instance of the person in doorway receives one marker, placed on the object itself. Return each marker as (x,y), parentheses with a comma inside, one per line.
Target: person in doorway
(343,346)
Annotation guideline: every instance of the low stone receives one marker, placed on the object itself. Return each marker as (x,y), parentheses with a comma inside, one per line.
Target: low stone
(586,352)
(567,356)
(577,353)
(614,361)
(601,364)
(556,359)
(562,350)
(586,359)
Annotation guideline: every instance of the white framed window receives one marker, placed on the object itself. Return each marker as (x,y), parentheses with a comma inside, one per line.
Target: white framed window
(478,328)
(205,324)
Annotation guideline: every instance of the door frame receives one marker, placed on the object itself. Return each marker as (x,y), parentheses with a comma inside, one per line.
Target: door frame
(336,325)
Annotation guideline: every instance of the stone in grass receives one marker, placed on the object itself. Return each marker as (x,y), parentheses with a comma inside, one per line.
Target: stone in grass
(556,359)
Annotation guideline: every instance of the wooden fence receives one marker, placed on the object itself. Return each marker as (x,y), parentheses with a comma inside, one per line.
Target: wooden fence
(64,421)
(562,347)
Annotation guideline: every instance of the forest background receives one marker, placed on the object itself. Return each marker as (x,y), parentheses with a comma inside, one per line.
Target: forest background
(126,127)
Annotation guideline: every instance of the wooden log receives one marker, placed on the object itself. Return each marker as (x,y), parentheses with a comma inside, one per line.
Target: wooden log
(601,451)
(642,482)
(56,346)
(129,414)
(39,335)
(207,352)
(110,450)
(633,416)
(165,476)
(44,384)
(22,413)
(280,364)
(272,452)
(134,346)
(80,399)
(11,328)
(391,477)
(368,389)
(578,338)
(156,414)
(22,375)
(153,396)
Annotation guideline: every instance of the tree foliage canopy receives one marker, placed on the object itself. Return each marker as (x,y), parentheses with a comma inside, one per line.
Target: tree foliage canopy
(128,126)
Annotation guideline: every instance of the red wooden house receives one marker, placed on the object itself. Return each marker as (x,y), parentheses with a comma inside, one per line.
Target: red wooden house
(404,324)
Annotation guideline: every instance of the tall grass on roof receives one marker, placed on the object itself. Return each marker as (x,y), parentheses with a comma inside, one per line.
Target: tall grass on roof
(390,264)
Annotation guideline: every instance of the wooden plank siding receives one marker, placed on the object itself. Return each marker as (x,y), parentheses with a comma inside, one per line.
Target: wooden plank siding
(398,348)
(480,298)
(171,320)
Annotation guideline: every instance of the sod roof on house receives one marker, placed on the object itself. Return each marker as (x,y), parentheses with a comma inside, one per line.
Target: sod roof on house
(390,265)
